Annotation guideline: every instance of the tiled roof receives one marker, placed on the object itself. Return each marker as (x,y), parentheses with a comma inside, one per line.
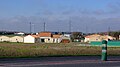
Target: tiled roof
(87,37)
(94,35)
(56,36)
(45,34)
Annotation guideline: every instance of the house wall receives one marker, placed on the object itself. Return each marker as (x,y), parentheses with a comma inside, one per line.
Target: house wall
(57,40)
(51,40)
(95,39)
(29,39)
(46,39)
(86,39)
(4,38)
(16,39)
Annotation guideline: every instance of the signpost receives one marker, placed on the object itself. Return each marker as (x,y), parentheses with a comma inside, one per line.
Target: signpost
(104,50)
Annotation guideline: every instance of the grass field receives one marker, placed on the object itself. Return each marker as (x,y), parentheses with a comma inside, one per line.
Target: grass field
(38,50)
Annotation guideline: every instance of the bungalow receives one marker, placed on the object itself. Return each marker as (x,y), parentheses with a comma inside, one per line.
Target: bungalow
(16,39)
(96,37)
(31,39)
(4,39)
(45,37)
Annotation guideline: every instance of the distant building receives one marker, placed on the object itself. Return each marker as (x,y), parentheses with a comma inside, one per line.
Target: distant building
(20,33)
(16,39)
(56,38)
(31,39)
(96,37)
(4,39)
(45,37)
(67,35)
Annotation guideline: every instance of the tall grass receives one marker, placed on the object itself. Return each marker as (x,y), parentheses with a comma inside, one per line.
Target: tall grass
(37,50)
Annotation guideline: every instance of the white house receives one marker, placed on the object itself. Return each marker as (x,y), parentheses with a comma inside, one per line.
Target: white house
(45,37)
(94,37)
(57,38)
(30,39)
(4,39)
(16,39)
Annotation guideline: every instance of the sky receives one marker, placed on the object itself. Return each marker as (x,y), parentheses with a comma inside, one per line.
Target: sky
(83,15)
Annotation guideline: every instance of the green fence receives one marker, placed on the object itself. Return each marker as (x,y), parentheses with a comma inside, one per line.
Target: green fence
(110,43)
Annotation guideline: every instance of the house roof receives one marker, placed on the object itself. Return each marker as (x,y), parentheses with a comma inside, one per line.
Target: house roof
(87,37)
(94,35)
(16,36)
(103,37)
(35,36)
(56,36)
(45,34)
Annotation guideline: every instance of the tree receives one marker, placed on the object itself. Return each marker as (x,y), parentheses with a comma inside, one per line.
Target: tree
(77,35)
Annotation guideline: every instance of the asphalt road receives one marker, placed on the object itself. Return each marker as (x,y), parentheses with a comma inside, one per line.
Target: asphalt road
(76,61)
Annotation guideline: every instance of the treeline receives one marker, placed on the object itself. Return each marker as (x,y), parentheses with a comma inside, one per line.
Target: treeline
(6,33)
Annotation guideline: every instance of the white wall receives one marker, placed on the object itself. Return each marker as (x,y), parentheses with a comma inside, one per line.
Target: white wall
(87,39)
(56,40)
(16,39)
(29,39)
(4,38)
(47,39)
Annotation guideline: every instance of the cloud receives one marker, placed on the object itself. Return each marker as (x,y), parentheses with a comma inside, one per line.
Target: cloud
(97,20)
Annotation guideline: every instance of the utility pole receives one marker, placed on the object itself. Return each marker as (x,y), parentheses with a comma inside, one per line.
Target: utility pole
(108,30)
(70,26)
(86,29)
(44,26)
(30,28)
(33,28)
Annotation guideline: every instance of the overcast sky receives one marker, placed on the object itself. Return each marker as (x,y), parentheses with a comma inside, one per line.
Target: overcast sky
(84,15)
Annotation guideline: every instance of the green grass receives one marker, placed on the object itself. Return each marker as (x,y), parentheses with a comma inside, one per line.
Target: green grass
(38,50)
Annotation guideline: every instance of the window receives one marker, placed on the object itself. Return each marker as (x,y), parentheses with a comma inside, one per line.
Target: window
(42,40)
